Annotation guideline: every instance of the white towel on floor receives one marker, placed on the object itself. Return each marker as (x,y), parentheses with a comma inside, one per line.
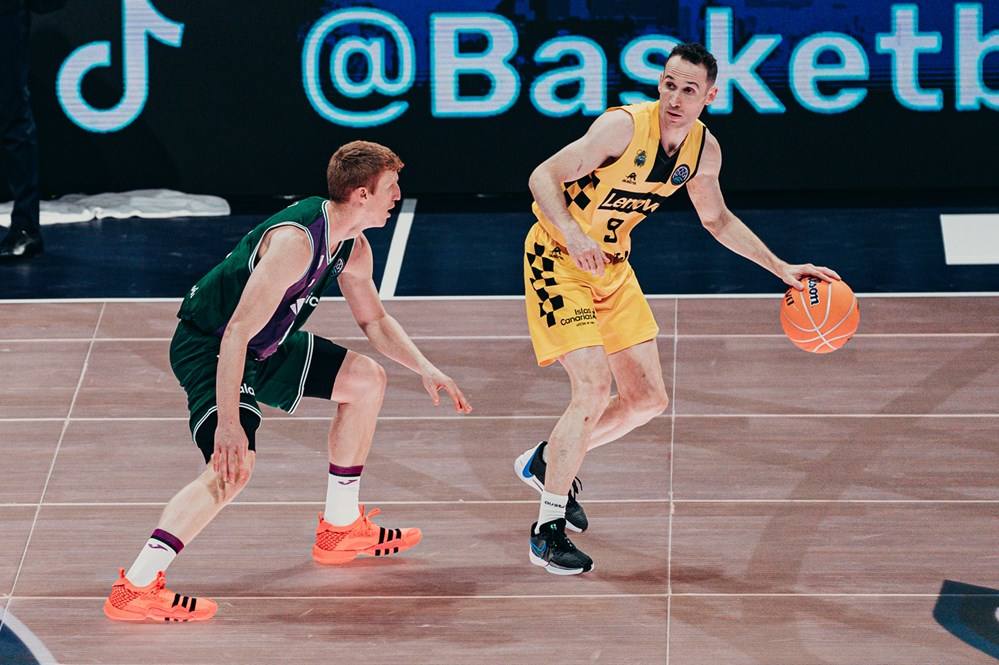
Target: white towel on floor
(149,203)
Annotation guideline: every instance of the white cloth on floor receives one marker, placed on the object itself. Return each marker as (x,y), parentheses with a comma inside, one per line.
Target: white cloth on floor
(149,203)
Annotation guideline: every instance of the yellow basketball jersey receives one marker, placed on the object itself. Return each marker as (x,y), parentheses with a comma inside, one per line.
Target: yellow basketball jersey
(610,201)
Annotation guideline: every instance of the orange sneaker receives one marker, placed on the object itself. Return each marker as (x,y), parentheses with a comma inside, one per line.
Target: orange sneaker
(340,544)
(154,602)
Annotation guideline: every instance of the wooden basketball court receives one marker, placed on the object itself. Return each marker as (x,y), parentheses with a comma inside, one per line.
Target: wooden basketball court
(788,508)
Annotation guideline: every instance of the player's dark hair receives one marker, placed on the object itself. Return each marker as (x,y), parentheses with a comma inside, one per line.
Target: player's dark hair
(358,164)
(696,54)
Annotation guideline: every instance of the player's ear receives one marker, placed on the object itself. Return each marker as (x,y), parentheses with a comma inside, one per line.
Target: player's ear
(712,93)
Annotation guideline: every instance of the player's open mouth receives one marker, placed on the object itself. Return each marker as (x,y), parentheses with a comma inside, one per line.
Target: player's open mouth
(674,115)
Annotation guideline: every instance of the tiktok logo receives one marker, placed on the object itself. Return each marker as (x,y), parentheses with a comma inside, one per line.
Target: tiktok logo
(140,19)
(376,78)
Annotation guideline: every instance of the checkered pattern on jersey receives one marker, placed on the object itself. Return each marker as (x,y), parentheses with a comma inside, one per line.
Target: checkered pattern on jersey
(578,193)
(543,276)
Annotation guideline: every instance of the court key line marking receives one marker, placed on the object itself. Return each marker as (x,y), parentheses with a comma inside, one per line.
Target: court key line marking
(55,455)
(397,249)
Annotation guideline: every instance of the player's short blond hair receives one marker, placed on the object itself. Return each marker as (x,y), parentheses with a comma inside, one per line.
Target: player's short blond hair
(358,164)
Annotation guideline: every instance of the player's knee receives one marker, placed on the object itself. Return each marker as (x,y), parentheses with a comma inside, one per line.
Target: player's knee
(243,479)
(371,377)
(223,492)
(593,390)
(649,405)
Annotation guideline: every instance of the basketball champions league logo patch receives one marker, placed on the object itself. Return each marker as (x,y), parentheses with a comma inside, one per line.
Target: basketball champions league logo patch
(640,158)
(680,175)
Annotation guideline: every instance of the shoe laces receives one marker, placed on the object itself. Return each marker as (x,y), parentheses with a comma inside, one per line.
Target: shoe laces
(159,583)
(562,541)
(366,524)
(577,487)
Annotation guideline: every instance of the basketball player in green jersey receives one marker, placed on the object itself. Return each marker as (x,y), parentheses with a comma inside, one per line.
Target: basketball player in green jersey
(584,305)
(239,340)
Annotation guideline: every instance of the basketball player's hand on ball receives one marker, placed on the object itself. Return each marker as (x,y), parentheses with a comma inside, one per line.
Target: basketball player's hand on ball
(586,253)
(435,380)
(792,274)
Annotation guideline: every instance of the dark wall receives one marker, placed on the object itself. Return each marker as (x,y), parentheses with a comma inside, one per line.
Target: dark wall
(227,110)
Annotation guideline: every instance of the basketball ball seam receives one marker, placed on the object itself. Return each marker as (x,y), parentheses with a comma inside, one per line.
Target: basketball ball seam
(808,313)
(849,312)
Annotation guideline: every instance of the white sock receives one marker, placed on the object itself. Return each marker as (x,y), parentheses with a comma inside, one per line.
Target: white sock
(342,489)
(552,507)
(156,555)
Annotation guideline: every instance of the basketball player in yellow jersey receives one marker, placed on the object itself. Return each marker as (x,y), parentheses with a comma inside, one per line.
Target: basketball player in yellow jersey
(584,305)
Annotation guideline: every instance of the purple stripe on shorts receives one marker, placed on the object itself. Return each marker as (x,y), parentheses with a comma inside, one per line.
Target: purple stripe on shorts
(169,539)
(346,470)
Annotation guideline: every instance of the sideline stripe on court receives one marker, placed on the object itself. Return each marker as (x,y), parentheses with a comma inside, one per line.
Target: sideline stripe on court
(397,250)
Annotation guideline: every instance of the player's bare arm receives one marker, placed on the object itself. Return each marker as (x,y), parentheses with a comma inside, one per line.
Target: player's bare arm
(705,193)
(384,332)
(606,140)
(284,256)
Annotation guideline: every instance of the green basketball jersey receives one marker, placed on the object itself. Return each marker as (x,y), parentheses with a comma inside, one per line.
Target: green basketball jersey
(211,302)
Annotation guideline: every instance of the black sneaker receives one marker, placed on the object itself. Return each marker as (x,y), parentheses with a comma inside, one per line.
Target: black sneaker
(551,548)
(530,468)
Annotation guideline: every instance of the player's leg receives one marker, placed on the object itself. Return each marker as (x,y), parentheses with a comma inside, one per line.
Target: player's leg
(590,380)
(310,366)
(629,331)
(359,390)
(561,319)
(641,393)
(140,594)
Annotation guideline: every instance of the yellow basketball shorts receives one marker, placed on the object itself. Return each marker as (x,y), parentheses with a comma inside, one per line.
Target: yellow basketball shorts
(569,308)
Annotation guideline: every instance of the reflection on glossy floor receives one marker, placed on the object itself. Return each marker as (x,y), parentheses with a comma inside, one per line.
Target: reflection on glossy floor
(788,508)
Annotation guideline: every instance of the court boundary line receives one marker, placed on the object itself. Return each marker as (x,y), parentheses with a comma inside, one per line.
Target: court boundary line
(55,455)
(651,296)
(397,249)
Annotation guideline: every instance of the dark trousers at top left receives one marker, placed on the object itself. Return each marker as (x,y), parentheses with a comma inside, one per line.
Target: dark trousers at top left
(18,135)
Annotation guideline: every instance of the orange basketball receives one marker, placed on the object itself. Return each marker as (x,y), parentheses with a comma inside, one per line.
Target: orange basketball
(822,318)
